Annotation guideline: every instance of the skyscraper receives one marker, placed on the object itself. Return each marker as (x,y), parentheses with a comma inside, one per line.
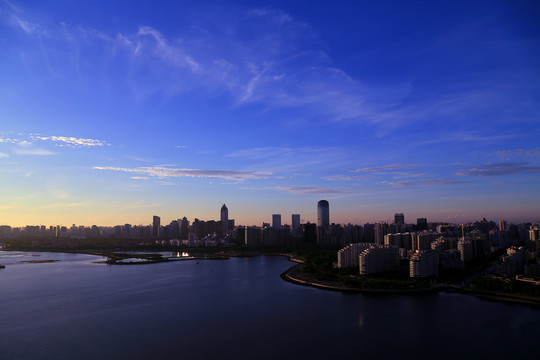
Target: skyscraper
(399,218)
(184,229)
(276,221)
(421,224)
(323,214)
(295,223)
(225,219)
(156,223)
(323,223)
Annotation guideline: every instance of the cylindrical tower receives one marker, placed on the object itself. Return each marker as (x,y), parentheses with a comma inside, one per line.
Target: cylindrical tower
(323,214)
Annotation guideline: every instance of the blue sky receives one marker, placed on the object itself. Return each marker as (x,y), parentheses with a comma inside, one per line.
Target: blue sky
(111,113)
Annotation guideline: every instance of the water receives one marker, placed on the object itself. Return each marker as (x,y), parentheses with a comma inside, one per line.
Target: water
(237,308)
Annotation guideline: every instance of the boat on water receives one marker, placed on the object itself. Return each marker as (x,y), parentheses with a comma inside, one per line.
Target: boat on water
(2,266)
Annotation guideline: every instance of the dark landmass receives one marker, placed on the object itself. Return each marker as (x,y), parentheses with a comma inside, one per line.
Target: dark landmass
(316,268)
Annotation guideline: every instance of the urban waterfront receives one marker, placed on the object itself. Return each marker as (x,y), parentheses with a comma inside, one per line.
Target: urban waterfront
(240,307)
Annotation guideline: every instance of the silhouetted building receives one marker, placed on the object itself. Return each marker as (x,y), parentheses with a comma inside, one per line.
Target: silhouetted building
(276,221)
(379,230)
(173,230)
(225,218)
(323,213)
(295,223)
(309,234)
(323,223)
(377,259)
(421,224)
(252,236)
(156,223)
(184,229)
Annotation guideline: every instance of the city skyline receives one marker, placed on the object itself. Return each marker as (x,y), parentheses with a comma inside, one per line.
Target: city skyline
(110,114)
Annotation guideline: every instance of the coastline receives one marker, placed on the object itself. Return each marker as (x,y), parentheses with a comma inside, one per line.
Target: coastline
(291,275)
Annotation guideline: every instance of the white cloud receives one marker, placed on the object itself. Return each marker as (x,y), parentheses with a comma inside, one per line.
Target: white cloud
(9,140)
(3,155)
(164,172)
(70,141)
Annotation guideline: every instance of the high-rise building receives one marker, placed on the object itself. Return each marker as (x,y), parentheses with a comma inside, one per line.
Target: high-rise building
(276,221)
(349,255)
(421,224)
(503,225)
(173,229)
(377,259)
(225,219)
(184,229)
(423,263)
(323,214)
(379,230)
(156,223)
(323,223)
(399,218)
(295,223)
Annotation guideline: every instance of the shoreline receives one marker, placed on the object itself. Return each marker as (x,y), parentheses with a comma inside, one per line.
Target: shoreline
(290,276)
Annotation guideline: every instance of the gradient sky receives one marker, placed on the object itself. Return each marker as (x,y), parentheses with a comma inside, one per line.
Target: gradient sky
(111,112)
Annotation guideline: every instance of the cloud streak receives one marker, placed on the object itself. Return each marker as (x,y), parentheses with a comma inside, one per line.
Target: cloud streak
(283,66)
(165,172)
(500,169)
(386,168)
(519,152)
(313,190)
(407,183)
(70,141)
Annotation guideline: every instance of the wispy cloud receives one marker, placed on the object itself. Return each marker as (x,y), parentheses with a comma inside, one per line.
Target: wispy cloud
(466,136)
(3,155)
(70,141)
(519,152)
(26,144)
(165,172)
(387,168)
(272,152)
(347,177)
(500,169)
(313,190)
(285,67)
(440,181)
(9,140)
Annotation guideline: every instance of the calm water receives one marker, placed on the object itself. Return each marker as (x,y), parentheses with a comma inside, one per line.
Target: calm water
(237,308)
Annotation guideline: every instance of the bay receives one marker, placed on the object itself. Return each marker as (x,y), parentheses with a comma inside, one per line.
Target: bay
(236,308)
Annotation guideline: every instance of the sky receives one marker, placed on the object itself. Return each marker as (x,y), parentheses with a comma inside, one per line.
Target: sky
(111,112)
